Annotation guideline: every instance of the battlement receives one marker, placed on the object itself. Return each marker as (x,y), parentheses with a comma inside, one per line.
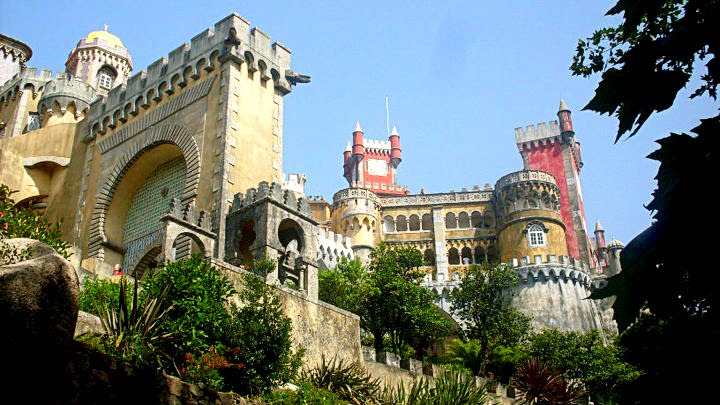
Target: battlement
(552,267)
(171,73)
(353,193)
(377,145)
(271,192)
(316,199)
(438,198)
(28,78)
(65,91)
(525,176)
(533,135)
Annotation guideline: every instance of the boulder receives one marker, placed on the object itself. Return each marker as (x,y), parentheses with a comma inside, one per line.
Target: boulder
(38,306)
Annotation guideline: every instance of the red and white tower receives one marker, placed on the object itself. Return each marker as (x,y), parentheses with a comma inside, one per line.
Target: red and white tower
(372,164)
(552,148)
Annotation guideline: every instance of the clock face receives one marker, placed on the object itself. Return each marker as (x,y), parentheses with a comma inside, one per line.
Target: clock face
(377,167)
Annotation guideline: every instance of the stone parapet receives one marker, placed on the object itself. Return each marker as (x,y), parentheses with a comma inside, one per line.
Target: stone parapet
(525,176)
(272,192)
(29,77)
(537,134)
(462,197)
(232,36)
(64,91)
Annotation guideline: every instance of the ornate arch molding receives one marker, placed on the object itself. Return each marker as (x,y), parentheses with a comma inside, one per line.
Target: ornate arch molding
(156,135)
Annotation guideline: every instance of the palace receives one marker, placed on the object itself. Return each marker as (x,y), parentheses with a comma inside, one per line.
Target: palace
(172,160)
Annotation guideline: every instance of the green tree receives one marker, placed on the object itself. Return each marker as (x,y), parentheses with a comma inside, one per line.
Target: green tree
(258,337)
(585,357)
(645,61)
(482,302)
(388,299)
(25,223)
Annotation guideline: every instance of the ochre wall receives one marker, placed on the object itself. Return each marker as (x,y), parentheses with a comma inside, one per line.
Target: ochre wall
(512,240)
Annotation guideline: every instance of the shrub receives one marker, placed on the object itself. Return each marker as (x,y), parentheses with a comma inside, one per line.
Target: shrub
(450,388)
(198,294)
(349,381)
(539,384)
(96,290)
(25,223)
(258,335)
(132,329)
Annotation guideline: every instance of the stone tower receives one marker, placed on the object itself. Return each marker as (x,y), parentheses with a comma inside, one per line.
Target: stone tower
(529,225)
(554,149)
(101,60)
(13,55)
(356,213)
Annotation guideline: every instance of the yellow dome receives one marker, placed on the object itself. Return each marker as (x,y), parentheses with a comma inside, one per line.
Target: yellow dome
(111,39)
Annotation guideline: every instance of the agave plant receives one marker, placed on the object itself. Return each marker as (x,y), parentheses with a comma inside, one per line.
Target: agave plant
(538,384)
(133,331)
(450,388)
(347,380)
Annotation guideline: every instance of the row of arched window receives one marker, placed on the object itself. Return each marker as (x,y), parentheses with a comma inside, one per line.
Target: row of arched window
(463,220)
(465,256)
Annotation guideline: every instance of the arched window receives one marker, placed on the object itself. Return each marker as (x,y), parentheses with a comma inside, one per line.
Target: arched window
(106,77)
(476,219)
(388,224)
(427,223)
(450,221)
(463,220)
(466,255)
(414,222)
(536,235)
(489,220)
(401,223)
(453,256)
(479,254)
(429,257)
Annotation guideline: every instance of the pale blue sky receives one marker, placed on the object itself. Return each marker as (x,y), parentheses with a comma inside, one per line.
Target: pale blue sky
(460,75)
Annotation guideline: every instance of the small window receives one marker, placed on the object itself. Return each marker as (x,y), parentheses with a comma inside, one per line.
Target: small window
(536,235)
(33,122)
(106,78)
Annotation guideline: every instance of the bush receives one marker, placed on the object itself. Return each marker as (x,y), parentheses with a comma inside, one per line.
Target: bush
(96,290)
(539,384)
(450,388)
(25,223)
(198,293)
(258,336)
(349,381)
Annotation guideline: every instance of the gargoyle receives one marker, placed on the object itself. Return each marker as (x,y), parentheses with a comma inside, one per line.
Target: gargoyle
(232,38)
(295,78)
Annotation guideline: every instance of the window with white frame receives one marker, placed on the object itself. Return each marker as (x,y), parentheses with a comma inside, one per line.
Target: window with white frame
(106,78)
(536,235)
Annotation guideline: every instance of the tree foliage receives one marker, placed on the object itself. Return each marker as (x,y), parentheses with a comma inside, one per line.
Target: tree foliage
(584,357)
(25,223)
(645,61)
(482,302)
(388,299)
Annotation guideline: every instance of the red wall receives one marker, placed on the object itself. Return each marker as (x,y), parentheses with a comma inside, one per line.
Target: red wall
(549,158)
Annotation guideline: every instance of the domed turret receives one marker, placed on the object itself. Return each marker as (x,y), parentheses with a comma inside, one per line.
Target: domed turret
(100,60)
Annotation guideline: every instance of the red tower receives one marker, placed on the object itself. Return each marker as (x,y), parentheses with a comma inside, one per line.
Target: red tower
(372,164)
(552,148)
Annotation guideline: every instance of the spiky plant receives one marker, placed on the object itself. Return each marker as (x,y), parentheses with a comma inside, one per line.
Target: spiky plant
(132,330)
(538,384)
(450,388)
(347,380)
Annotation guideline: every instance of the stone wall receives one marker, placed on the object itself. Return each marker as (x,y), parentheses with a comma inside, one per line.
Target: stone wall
(318,328)
(392,371)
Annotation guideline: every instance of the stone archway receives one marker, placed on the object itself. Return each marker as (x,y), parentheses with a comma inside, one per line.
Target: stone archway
(150,141)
